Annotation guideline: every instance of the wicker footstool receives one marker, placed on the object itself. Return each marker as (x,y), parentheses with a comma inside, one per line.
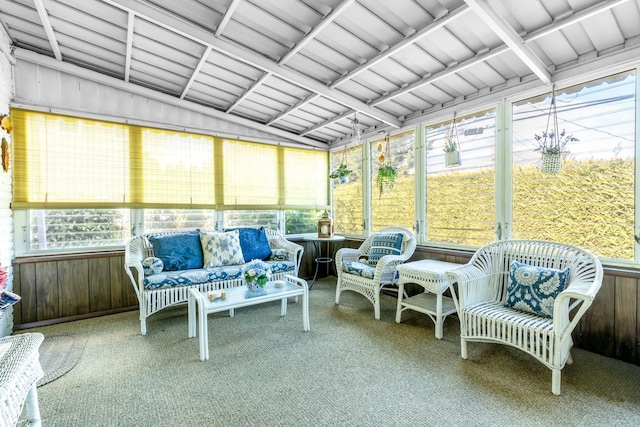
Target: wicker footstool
(430,274)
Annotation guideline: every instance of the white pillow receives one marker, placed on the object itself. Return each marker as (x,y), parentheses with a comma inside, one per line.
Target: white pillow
(220,249)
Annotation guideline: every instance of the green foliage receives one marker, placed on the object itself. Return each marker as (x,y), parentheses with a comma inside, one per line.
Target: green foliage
(341,172)
(450,146)
(386,178)
(298,222)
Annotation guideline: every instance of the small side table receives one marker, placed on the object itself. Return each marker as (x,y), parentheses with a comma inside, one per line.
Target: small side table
(317,244)
(19,371)
(430,274)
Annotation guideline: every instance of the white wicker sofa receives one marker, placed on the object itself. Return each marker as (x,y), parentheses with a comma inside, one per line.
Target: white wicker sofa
(167,288)
(528,294)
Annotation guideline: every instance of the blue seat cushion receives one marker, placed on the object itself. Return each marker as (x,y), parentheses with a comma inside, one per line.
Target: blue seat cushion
(180,251)
(254,243)
(359,268)
(534,289)
(384,244)
(172,279)
(281,266)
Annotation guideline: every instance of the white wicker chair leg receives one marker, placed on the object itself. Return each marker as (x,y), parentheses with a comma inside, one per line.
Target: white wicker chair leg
(463,348)
(338,293)
(376,307)
(555,381)
(143,325)
(569,359)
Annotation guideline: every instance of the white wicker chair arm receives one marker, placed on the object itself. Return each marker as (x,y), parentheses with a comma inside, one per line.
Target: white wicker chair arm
(472,284)
(345,255)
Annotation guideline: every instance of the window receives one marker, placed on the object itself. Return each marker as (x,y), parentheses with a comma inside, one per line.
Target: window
(158,220)
(301,221)
(590,203)
(71,229)
(461,199)
(394,204)
(347,193)
(65,165)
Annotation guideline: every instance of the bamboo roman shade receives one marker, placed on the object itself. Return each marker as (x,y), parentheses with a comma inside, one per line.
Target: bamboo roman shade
(68,162)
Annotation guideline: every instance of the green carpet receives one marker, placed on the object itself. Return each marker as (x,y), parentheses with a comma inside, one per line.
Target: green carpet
(349,370)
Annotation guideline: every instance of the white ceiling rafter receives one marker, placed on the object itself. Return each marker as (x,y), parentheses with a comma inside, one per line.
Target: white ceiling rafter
(227,17)
(320,27)
(127,62)
(438,23)
(573,18)
(294,108)
(72,69)
(306,39)
(193,32)
(196,71)
(511,38)
(327,123)
(249,91)
(486,55)
(48,29)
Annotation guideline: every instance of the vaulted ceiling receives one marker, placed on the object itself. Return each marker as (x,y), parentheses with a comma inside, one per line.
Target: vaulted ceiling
(308,67)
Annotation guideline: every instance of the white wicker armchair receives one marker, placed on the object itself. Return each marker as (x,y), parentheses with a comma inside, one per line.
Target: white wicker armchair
(385,269)
(482,291)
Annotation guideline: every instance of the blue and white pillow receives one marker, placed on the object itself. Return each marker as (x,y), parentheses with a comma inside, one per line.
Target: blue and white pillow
(221,249)
(534,289)
(152,265)
(384,244)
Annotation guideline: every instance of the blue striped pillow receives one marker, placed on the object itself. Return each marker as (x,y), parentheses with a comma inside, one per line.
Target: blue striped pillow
(384,244)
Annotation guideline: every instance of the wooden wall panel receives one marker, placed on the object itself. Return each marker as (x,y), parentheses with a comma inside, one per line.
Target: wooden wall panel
(73,278)
(596,331)
(625,318)
(47,296)
(99,284)
(116,271)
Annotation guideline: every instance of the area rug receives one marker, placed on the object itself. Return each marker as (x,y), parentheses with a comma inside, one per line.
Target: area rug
(59,354)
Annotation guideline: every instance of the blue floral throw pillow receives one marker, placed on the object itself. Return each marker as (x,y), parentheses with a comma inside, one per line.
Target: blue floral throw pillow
(534,289)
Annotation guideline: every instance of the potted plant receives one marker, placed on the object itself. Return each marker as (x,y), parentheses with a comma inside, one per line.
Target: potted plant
(451,153)
(386,178)
(553,149)
(341,173)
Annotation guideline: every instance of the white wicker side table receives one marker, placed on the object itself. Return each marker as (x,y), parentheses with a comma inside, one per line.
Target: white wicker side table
(19,371)
(430,274)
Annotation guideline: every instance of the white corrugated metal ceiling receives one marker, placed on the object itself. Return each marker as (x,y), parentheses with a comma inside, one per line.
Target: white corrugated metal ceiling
(306,66)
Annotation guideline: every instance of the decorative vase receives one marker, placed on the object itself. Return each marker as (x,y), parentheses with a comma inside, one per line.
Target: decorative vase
(551,163)
(452,158)
(253,289)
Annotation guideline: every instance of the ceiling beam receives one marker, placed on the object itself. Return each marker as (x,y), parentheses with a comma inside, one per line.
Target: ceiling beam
(48,29)
(106,80)
(438,23)
(573,18)
(127,60)
(196,71)
(193,32)
(249,91)
(227,17)
(313,33)
(293,108)
(508,35)
(327,123)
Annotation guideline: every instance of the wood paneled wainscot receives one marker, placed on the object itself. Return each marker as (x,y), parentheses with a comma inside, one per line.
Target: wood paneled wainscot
(70,287)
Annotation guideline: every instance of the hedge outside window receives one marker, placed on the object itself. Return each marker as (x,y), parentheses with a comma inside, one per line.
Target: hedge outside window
(461,200)
(590,202)
(347,196)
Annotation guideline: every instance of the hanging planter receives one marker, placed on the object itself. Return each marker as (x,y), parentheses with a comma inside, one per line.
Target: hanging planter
(551,163)
(552,143)
(342,173)
(386,173)
(451,147)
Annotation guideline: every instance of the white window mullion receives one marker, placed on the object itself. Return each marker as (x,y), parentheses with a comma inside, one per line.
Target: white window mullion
(504,170)
(419,185)
(366,189)
(636,203)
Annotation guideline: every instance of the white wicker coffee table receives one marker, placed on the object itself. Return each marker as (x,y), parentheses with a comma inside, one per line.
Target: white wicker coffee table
(430,274)
(19,371)
(235,298)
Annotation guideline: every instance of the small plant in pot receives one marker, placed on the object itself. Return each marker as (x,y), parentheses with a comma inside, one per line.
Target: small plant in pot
(553,149)
(341,173)
(386,178)
(451,153)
